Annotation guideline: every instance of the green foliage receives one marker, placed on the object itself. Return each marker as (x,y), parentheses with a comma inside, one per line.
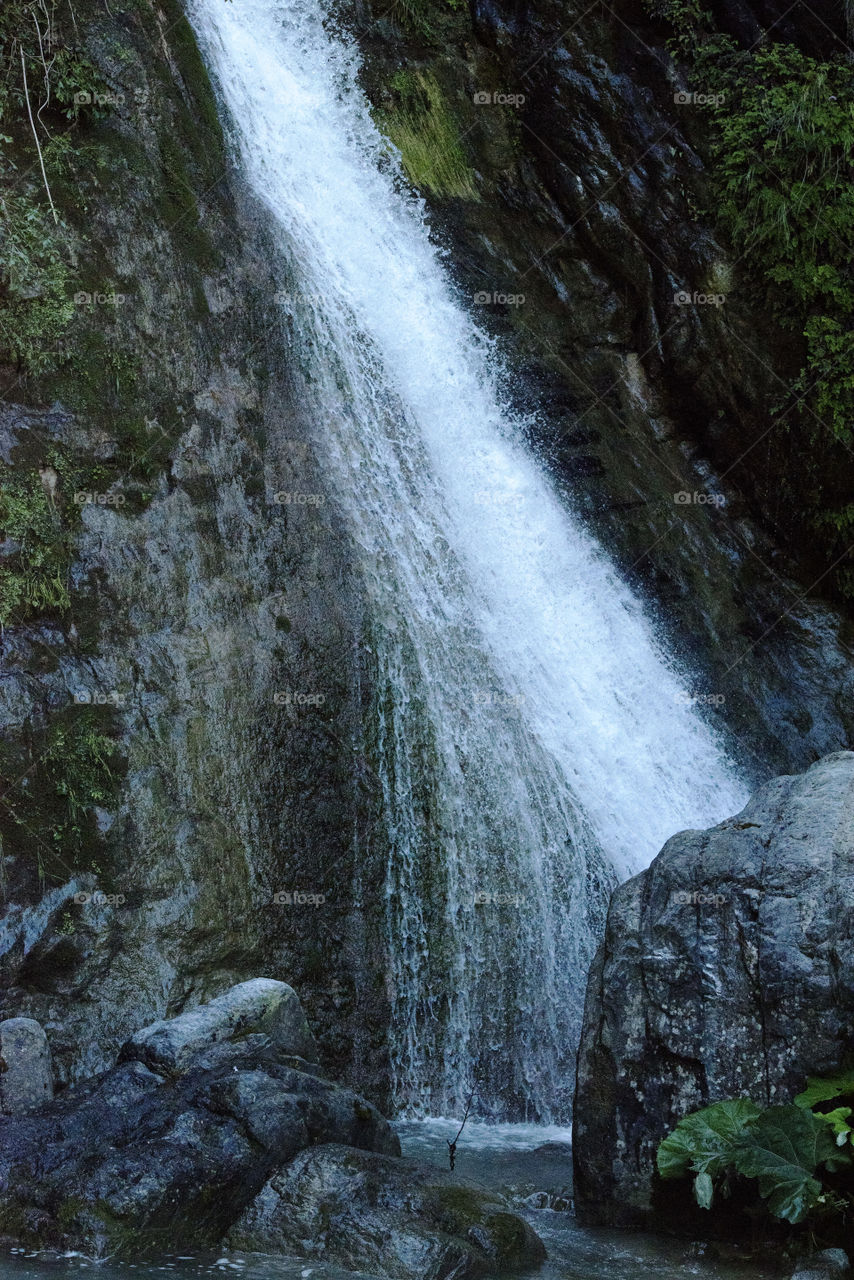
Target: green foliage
(688,19)
(425,133)
(50,787)
(62,84)
(783,158)
(783,1147)
(57,72)
(703,1144)
(834,1089)
(36,303)
(78,764)
(780,150)
(34,573)
(822,1089)
(427,19)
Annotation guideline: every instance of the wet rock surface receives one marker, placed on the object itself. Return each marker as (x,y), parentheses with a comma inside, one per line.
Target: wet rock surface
(135,1159)
(394,1218)
(260,1005)
(829,1264)
(201,608)
(727,970)
(202,600)
(26,1070)
(209,1125)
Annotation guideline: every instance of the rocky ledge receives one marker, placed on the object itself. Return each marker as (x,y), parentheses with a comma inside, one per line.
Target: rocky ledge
(219,1121)
(727,970)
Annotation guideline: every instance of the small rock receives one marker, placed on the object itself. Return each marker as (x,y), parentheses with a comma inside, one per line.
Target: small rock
(260,1005)
(26,1070)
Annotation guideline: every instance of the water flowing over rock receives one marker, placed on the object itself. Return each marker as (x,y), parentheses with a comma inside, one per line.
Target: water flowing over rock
(727,970)
(531,740)
(295,715)
(26,1070)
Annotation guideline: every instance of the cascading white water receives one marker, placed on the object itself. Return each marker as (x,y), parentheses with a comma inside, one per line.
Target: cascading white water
(533,741)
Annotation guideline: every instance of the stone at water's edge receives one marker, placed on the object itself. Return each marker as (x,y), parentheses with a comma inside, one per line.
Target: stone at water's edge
(171,1144)
(727,970)
(394,1218)
(214,1121)
(26,1070)
(260,1004)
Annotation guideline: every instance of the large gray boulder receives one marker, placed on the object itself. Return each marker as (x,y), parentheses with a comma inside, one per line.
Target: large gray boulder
(394,1218)
(727,969)
(261,1004)
(26,1070)
(172,1143)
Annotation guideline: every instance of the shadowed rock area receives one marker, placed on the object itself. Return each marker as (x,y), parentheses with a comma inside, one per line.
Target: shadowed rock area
(390,1217)
(727,970)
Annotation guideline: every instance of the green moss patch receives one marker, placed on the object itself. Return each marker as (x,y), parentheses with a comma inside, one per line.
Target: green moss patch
(34,571)
(423,128)
(51,780)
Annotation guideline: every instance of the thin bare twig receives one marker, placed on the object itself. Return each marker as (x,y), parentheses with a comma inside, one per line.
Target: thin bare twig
(36,136)
(452,1146)
(46,102)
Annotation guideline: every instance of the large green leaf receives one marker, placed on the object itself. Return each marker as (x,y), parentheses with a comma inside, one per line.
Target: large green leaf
(704,1190)
(782,1148)
(825,1088)
(838,1121)
(703,1142)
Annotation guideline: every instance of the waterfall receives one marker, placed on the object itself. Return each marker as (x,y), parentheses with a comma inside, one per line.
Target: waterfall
(533,742)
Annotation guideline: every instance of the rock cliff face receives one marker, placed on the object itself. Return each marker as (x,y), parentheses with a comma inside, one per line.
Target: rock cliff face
(213,634)
(185,772)
(727,970)
(572,213)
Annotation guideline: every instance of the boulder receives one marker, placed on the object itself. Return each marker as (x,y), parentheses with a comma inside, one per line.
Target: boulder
(390,1217)
(262,1005)
(26,1071)
(133,1160)
(727,970)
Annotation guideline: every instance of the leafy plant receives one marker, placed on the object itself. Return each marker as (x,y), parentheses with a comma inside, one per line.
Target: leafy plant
(784,164)
(703,1143)
(834,1089)
(783,1147)
(779,142)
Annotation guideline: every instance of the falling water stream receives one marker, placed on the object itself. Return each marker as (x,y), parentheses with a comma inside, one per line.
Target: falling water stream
(533,741)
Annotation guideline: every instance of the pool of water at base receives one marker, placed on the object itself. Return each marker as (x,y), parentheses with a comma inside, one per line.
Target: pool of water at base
(531,1163)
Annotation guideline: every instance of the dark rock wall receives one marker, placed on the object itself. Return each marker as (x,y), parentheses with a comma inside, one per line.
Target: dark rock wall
(727,970)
